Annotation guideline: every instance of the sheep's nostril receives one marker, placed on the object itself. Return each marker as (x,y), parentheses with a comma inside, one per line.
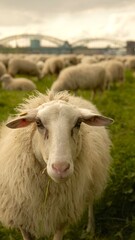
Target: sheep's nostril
(60,167)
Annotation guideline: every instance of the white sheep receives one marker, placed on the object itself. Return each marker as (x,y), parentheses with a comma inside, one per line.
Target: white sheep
(23,66)
(70,59)
(54,161)
(2,69)
(40,65)
(115,69)
(82,76)
(53,65)
(10,83)
(89,59)
(4,58)
(130,63)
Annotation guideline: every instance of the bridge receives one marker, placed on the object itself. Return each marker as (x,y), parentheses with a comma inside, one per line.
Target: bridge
(99,42)
(38,43)
(6,41)
(89,42)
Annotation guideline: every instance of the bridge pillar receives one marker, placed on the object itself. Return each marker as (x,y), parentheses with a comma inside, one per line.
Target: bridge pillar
(130,47)
(35,43)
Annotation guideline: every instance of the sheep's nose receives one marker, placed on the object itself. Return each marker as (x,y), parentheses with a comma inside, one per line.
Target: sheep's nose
(60,167)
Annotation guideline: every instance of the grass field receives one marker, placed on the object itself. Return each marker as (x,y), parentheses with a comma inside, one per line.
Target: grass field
(115,211)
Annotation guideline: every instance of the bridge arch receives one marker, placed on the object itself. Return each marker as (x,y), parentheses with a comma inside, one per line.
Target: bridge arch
(53,40)
(91,41)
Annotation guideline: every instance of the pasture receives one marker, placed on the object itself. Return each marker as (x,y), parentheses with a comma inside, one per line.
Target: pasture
(115,211)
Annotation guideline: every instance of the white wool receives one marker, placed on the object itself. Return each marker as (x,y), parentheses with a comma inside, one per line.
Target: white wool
(2,69)
(23,66)
(29,197)
(82,76)
(115,69)
(10,83)
(130,63)
(52,65)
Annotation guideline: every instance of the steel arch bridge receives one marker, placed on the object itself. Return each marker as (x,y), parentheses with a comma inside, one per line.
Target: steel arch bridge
(53,40)
(91,41)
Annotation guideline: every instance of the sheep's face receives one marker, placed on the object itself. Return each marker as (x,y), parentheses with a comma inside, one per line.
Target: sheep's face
(6,78)
(58,127)
(57,139)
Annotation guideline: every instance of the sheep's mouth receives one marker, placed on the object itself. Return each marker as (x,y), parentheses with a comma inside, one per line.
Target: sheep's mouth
(60,178)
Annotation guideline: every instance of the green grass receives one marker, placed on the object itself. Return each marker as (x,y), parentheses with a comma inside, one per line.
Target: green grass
(115,211)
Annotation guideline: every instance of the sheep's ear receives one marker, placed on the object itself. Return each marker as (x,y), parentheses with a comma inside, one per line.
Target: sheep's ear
(23,120)
(94,119)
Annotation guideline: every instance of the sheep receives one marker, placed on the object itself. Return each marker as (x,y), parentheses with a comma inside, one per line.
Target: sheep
(82,76)
(23,66)
(40,65)
(4,59)
(116,71)
(55,164)
(89,60)
(70,59)
(10,83)
(52,65)
(130,63)
(2,69)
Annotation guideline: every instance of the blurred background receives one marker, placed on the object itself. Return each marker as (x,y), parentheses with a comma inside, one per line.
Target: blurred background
(98,24)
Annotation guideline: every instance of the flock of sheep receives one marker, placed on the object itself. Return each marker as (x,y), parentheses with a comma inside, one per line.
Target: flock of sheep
(57,159)
(73,72)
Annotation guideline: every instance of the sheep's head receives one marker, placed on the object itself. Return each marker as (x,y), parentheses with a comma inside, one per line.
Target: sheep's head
(5,79)
(57,139)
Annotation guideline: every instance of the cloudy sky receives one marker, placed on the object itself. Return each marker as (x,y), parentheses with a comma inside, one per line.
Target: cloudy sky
(69,19)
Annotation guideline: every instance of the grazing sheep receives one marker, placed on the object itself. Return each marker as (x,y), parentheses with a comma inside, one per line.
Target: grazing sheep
(82,76)
(23,66)
(70,59)
(4,59)
(89,60)
(10,83)
(40,65)
(2,69)
(130,63)
(52,65)
(116,70)
(54,165)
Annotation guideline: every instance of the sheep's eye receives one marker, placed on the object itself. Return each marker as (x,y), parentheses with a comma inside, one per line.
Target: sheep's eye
(78,123)
(77,126)
(39,123)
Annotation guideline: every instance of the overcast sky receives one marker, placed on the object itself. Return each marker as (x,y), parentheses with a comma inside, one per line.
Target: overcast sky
(69,19)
